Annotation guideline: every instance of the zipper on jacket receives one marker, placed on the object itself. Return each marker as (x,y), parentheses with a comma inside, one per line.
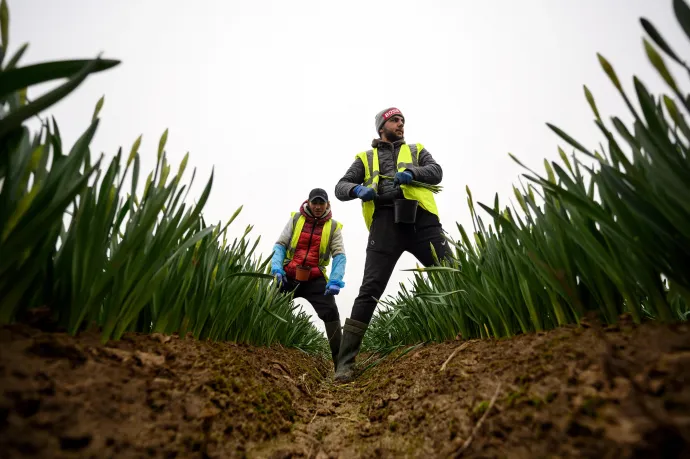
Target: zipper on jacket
(306,254)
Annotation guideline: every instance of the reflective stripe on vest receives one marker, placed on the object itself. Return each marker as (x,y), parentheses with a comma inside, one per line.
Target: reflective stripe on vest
(298,222)
(408,156)
(327,233)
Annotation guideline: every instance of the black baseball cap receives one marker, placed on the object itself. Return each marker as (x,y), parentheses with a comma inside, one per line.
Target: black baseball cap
(318,193)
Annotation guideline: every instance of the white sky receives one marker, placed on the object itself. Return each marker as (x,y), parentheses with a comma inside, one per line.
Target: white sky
(279,96)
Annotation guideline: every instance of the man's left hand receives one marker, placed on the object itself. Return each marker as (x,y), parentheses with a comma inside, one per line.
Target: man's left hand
(402,178)
(332,289)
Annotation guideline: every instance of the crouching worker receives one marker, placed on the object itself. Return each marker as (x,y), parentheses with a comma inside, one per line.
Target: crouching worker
(300,258)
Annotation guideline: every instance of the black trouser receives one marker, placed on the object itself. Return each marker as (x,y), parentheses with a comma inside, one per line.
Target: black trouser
(312,291)
(387,242)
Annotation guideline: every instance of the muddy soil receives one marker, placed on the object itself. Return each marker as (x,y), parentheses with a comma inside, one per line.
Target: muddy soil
(620,392)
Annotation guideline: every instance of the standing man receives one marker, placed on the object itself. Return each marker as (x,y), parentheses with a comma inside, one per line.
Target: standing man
(392,157)
(300,257)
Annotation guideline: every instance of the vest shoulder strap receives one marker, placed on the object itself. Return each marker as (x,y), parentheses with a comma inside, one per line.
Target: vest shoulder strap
(336,225)
(363,154)
(415,150)
(296,230)
(413,156)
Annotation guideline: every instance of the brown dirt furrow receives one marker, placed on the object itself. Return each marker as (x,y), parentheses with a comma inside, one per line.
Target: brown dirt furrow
(145,396)
(574,392)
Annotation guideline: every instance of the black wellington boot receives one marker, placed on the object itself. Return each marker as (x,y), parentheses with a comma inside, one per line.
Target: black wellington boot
(353,332)
(334,333)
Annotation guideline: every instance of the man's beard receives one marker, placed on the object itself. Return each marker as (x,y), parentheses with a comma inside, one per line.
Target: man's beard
(392,135)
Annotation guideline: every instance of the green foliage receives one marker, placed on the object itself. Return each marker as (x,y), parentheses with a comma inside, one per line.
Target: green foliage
(77,237)
(611,237)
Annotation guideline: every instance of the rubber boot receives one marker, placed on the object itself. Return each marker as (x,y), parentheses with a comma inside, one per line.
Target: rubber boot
(334,333)
(353,332)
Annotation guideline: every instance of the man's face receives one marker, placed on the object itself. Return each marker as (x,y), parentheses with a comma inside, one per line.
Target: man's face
(394,128)
(318,207)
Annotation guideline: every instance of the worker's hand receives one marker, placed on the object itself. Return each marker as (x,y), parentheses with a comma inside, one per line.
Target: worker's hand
(332,289)
(402,178)
(365,193)
(279,276)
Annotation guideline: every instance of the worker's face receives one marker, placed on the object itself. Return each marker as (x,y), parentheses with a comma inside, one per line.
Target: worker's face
(393,129)
(318,207)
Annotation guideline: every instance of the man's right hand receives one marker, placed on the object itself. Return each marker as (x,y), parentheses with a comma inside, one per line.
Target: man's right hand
(365,193)
(279,276)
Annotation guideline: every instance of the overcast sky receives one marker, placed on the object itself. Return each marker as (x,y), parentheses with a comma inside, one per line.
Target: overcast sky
(279,96)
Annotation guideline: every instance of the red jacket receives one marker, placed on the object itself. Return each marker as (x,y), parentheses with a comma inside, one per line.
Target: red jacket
(307,250)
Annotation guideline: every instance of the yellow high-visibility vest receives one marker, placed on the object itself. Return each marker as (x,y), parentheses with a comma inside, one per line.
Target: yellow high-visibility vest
(406,158)
(329,229)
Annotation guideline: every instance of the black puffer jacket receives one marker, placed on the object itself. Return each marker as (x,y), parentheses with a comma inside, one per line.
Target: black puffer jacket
(427,171)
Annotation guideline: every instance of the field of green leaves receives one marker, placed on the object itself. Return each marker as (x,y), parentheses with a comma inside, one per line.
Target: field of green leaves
(604,230)
(86,242)
(97,248)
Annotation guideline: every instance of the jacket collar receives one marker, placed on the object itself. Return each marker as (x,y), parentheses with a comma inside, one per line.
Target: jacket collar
(378,143)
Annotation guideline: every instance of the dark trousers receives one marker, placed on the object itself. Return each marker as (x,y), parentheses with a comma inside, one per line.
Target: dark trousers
(312,291)
(387,242)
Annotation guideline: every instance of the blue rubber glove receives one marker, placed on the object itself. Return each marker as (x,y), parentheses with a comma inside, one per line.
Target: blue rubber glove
(365,193)
(335,280)
(278,257)
(338,270)
(279,276)
(402,178)
(331,289)
(277,264)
